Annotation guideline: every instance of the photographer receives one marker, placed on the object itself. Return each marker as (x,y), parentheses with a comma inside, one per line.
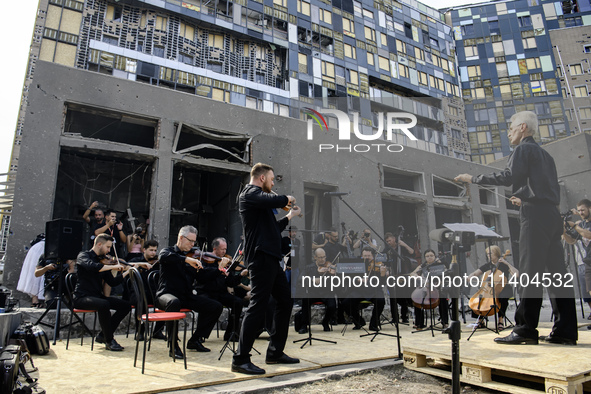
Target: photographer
(579,234)
(365,240)
(50,269)
(135,242)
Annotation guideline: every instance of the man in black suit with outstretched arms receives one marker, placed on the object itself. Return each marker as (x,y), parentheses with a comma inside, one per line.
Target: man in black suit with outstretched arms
(262,252)
(532,173)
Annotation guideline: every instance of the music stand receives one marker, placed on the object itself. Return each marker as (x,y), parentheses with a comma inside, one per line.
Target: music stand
(310,337)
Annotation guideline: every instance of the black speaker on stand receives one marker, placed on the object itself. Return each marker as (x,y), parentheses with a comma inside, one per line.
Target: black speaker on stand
(63,241)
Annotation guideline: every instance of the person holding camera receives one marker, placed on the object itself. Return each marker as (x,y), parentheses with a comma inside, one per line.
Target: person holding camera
(50,269)
(579,234)
(365,240)
(135,243)
(532,173)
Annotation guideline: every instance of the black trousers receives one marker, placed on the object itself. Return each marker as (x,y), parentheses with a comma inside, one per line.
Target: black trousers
(403,302)
(330,305)
(540,252)
(103,307)
(209,312)
(351,306)
(230,301)
(266,278)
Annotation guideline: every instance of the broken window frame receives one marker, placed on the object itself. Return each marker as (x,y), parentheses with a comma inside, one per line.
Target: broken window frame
(209,133)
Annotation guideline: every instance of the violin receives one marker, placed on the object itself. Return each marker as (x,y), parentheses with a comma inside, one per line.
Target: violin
(288,207)
(482,302)
(110,260)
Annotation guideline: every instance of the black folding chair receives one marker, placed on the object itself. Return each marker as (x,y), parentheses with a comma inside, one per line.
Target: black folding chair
(71,280)
(144,316)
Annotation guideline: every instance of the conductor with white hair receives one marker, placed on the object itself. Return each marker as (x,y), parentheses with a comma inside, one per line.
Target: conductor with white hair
(532,173)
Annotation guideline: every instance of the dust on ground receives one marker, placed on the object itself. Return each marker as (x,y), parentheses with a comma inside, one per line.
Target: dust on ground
(394,379)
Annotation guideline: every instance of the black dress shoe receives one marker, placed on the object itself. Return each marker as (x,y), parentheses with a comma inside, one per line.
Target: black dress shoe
(373,328)
(303,331)
(326,326)
(558,340)
(99,338)
(178,353)
(159,335)
(139,336)
(247,368)
(516,339)
(197,346)
(114,346)
(283,359)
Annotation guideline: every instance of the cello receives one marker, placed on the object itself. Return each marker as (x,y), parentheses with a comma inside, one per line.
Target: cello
(485,301)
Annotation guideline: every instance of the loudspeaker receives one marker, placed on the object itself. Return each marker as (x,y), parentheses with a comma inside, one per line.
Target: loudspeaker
(63,239)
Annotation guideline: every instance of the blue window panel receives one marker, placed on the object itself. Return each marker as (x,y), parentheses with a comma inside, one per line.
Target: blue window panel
(513,67)
(542,44)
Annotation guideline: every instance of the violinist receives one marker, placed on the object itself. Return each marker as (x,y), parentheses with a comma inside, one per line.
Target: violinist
(262,252)
(149,258)
(323,267)
(351,305)
(214,282)
(433,267)
(498,262)
(175,289)
(89,290)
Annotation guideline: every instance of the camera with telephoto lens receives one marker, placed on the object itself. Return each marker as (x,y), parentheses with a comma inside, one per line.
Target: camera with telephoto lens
(138,231)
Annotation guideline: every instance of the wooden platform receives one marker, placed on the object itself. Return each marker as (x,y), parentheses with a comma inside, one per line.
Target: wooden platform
(515,369)
(545,368)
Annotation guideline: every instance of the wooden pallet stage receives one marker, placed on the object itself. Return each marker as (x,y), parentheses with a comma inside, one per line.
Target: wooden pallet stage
(549,368)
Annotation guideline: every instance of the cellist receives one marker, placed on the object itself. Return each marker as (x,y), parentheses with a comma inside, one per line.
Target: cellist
(433,267)
(495,256)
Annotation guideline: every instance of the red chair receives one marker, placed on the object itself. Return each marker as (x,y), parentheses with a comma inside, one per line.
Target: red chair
(143,316)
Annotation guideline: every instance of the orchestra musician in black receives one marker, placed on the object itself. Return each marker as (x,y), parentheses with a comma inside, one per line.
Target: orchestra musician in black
(175,290)
(429,268)
(262,253)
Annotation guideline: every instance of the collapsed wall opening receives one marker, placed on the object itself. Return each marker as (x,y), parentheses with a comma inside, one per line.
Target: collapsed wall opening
(115,182)
(207,200)
(110,126)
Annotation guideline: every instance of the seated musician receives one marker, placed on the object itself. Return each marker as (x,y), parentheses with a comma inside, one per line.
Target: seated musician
(351,305)
(89,290)
(323,267)
(148,257)
(433,267)
(495,256)
(399,265)
(175,289)
(214,283)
